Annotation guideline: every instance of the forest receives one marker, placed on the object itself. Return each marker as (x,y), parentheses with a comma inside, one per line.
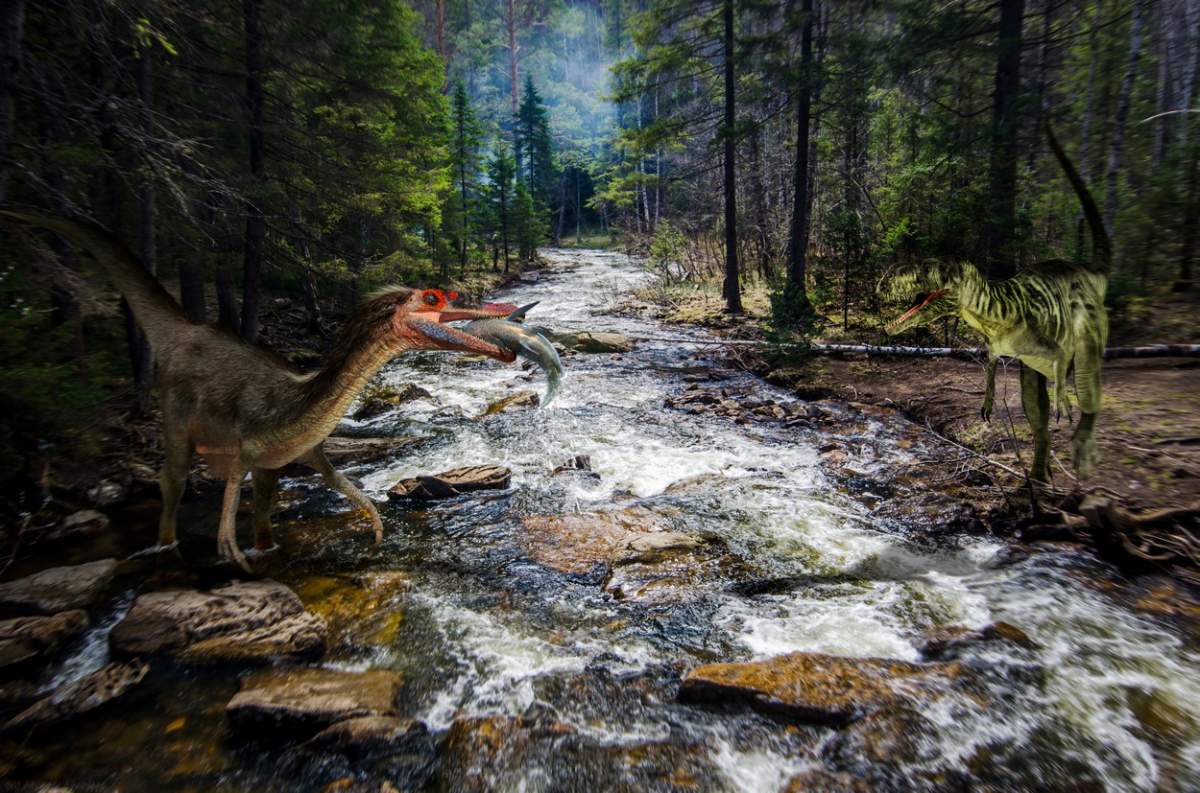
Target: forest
(868,448)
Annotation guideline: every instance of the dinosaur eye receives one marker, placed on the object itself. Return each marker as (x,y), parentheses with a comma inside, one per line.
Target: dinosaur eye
(432,298)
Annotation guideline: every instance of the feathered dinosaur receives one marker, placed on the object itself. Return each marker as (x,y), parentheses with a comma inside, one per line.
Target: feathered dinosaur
(1051,317)
(246,409)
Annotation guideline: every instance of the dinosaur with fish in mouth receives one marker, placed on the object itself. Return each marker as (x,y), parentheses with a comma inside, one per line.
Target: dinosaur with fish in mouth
(1051,317)
(247,410)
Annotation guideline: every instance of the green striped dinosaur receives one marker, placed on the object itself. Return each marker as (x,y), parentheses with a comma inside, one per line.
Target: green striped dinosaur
(1051,317)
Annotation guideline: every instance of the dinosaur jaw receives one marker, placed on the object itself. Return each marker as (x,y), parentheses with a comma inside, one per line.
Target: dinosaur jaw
(902,321)
(425,330)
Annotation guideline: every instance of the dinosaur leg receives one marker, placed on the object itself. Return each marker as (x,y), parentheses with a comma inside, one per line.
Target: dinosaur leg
(989,395)
(1087,388)
(337,481)
(171,481)
(227,535)
(1062,401)
(1036,402)
(265,482)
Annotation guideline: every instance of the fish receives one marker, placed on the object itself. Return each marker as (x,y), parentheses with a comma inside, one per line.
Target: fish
(525,342)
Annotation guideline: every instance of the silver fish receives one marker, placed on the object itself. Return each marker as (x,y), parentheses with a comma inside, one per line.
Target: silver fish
(522,341)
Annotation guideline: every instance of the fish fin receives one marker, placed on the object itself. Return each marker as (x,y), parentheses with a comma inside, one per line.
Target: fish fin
(519,314)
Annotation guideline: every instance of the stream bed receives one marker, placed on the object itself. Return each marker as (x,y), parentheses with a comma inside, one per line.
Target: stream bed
(538,663)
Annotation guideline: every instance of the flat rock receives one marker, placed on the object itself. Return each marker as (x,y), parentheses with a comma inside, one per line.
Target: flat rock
(521,399)
(361,610)
(76,526)
(363,734)
(381,400)
(310,700)
(892,736)
(101,687)
(945,641)
(343,450)
(452,483)
(25,639)
(591,341)
(818,688)
(577,542)
(59,588)
(246,621)
(817,780)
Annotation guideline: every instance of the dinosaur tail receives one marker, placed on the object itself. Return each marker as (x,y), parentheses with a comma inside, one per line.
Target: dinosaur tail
(1100,240)
(153,307)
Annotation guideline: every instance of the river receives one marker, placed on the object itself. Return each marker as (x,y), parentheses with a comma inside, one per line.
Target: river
(484,628)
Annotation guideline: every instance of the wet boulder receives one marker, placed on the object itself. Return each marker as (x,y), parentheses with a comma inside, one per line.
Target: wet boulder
(487,752)
(83,524)
(891,736)
(245,621)
(816,780)
(59,588)
(819,688)
(26,639)
(452,483)
(519,400)
(577,542)
(87,694)
(366,609)
(590,341)
(342,450)
(365,734)
(378,401)
(303,702)
(946,641)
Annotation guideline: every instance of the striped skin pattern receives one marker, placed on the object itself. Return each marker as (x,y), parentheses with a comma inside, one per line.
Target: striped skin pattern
(1051,317)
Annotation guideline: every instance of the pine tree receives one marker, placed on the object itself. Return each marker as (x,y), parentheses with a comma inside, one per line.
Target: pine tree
(464,162)
(501,172)
(535,149)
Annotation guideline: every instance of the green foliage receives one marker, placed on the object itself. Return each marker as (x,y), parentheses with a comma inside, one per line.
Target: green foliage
(534,148)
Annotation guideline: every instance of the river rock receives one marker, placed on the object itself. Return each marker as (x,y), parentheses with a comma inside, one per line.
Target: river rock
(521,399)
(591,341)
(945,641)
(381,400)
(890,736)
(577,542)
(365,734)
(366,609)
(101,687)
(306,701)
(59,588)
(245,621)
(76,526)
(817,688)
(452,483)
(816,780)
(358,451)
(17,694)
(26,639)
(479,752)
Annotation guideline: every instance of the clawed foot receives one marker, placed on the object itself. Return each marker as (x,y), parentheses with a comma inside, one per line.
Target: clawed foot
(985,412)
(230,552)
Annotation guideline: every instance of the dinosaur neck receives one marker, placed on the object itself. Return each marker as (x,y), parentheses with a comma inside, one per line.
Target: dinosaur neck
(325,396)
(981,303)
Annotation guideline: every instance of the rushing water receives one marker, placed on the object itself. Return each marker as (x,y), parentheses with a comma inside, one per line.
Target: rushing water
(1108,699)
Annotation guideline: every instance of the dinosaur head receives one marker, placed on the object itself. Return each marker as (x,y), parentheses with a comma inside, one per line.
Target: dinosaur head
(416,319)
(929,290)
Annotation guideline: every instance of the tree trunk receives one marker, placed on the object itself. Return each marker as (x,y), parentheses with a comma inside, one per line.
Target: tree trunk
(797,266)
(462,181)
(562,207)
(1124,99)
(439,34)
(578,210)
(1164,35)
(510,24)
(227,307)
(1043,68)
(256,225)
(1002,165)
(504,219)
(12,26)
(1085,158)
(732,287)
(147,217)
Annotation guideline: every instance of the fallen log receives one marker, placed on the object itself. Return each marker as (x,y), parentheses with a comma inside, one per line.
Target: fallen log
(965,353)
